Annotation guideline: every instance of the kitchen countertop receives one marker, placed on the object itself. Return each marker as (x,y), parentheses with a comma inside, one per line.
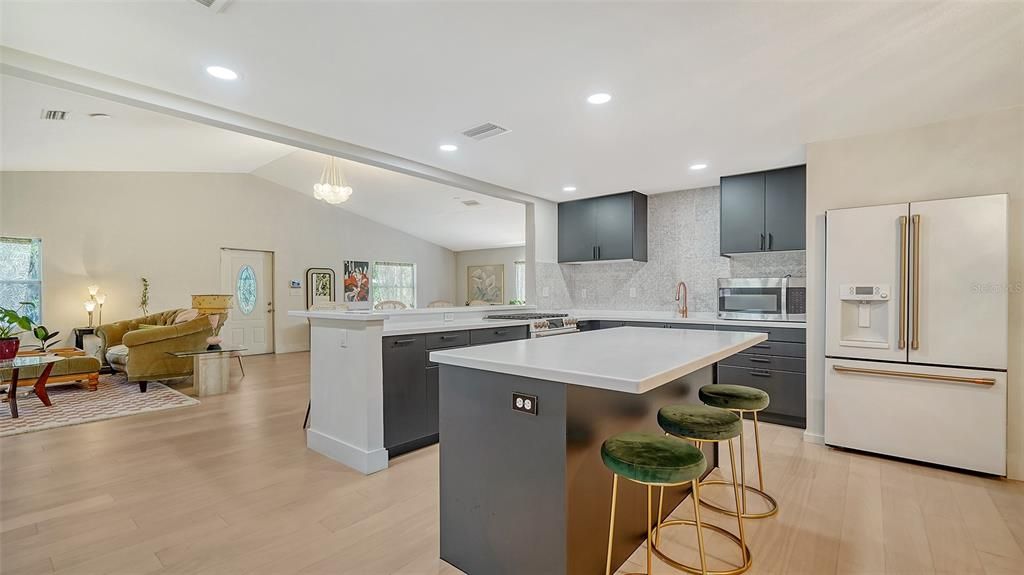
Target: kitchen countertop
(406,322)
(629,359)
(673,317)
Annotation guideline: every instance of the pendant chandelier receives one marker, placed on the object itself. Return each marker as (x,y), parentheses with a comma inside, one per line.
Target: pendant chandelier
(332,188)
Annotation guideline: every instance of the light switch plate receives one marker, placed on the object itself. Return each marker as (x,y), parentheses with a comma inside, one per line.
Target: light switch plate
(342,338)
(583,292)
(632,292)
(449,316)
(546,291)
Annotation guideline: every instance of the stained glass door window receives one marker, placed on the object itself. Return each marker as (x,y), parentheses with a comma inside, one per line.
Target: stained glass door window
(245,289)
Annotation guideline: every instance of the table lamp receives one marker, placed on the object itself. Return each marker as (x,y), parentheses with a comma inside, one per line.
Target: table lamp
(213,305)
(90,305)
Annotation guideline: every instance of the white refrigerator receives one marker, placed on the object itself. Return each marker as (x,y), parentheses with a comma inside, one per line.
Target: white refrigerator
(916,331)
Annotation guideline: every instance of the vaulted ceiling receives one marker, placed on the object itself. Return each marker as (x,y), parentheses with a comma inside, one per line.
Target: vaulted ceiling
(738,85)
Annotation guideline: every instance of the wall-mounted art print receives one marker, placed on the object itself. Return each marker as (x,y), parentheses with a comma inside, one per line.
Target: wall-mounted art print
(357,284)
(486,283)
(320,286)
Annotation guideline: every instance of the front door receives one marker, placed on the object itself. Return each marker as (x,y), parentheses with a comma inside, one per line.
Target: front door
(249,276)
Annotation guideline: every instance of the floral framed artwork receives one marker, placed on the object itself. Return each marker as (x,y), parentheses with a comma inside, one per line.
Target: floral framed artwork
(320,286)
(356,282)
(486,283)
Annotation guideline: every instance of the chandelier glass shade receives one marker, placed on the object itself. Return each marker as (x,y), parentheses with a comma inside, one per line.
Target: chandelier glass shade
(332,188)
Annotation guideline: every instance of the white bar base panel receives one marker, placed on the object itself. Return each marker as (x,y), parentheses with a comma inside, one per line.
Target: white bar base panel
(346,392)
(365,462)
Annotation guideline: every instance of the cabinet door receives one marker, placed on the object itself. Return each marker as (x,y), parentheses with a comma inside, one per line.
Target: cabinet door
(785,221)
(576,239)
(405,389)
(432,399)
(742,214)
(614,226)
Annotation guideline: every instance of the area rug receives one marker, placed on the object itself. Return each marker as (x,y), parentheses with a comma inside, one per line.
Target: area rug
(72,405)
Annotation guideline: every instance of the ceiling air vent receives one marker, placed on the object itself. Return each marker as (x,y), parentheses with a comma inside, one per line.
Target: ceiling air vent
(215,5)
(54,115)
(470,203)
(484,131)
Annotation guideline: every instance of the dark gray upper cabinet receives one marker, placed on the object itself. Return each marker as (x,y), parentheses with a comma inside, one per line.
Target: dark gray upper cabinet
(742,224)
(785,202)
(764,211)
(604,228)
(576,231)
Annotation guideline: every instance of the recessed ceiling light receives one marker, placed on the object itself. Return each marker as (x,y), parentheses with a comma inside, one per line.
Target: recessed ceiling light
(222,73)
(100,116)
(698,166)
(599,98)
(448,147)
(569,189)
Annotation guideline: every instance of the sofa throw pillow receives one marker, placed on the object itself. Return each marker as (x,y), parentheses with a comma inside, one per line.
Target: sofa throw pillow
(186,316)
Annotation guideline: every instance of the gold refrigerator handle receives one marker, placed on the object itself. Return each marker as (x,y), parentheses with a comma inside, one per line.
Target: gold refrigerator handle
(903,282)
(914,339)
(913,375)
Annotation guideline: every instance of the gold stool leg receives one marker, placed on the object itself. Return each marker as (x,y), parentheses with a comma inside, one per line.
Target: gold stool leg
(757,445)
(743,463)
(736,493)
(661,503)
(611,524)
(700,532)
(650,560)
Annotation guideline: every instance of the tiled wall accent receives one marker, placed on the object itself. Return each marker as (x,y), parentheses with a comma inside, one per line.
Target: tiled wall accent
(550,276)
(682,246)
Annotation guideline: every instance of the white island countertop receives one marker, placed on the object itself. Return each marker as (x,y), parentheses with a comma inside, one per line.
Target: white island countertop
(629,359)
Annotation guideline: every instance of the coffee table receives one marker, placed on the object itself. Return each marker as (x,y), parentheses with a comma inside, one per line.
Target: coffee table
(211,368)
(40,386)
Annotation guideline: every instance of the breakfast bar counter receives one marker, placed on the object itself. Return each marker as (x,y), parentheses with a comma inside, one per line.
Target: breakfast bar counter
(523,488)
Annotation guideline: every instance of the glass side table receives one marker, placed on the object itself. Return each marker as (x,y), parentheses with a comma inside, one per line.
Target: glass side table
(211,368)
(9,370)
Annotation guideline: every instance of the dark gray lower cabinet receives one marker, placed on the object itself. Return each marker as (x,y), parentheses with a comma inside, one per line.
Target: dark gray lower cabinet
(777,366)
(411,382)
(405,392)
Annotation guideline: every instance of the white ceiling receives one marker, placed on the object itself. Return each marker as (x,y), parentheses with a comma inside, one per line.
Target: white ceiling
(739,85)
(131,140)
(430,211)
(136,140)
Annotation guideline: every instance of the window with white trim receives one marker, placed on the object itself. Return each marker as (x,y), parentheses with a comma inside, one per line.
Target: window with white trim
(21,278)
(520,274)
(394,281)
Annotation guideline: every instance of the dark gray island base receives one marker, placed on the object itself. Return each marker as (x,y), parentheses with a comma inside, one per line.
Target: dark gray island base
(529,494)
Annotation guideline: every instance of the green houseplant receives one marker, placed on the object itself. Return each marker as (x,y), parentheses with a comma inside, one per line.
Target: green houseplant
(12,323)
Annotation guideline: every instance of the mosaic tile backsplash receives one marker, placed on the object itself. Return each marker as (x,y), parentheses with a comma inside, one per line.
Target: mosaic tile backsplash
(682,244)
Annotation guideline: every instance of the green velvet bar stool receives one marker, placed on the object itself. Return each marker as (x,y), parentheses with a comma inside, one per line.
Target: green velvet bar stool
(655,461)
(741,399)
(703,424)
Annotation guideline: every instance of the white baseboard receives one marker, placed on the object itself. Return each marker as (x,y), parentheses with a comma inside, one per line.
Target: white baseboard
(365,462)
(814,438)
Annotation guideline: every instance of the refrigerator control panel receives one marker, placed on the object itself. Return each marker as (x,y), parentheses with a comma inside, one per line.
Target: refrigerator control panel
(864,292)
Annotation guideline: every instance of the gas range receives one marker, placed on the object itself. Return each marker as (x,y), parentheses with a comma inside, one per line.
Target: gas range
(542,324)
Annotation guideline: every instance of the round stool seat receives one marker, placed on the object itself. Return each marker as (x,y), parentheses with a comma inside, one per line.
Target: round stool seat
(701,422)
(734,397)
(653,459)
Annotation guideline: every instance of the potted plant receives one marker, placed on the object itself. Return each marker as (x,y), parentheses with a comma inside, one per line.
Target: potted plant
(12,323)
(44,336)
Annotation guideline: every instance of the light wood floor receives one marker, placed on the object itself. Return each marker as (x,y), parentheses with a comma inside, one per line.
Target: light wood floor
(228,487)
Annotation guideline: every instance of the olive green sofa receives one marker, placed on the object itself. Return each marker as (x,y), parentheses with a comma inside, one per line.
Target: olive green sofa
(138,347)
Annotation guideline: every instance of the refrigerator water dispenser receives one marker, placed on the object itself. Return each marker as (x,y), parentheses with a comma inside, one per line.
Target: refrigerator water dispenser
(865,316)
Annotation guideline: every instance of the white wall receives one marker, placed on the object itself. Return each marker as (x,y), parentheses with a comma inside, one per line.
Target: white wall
(505,256)
(112,228)
(973,156)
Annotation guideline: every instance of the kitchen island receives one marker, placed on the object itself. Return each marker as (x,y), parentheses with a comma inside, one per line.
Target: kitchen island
(523,488)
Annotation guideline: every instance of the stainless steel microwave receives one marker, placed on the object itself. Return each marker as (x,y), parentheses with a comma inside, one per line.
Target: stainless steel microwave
(769,299)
